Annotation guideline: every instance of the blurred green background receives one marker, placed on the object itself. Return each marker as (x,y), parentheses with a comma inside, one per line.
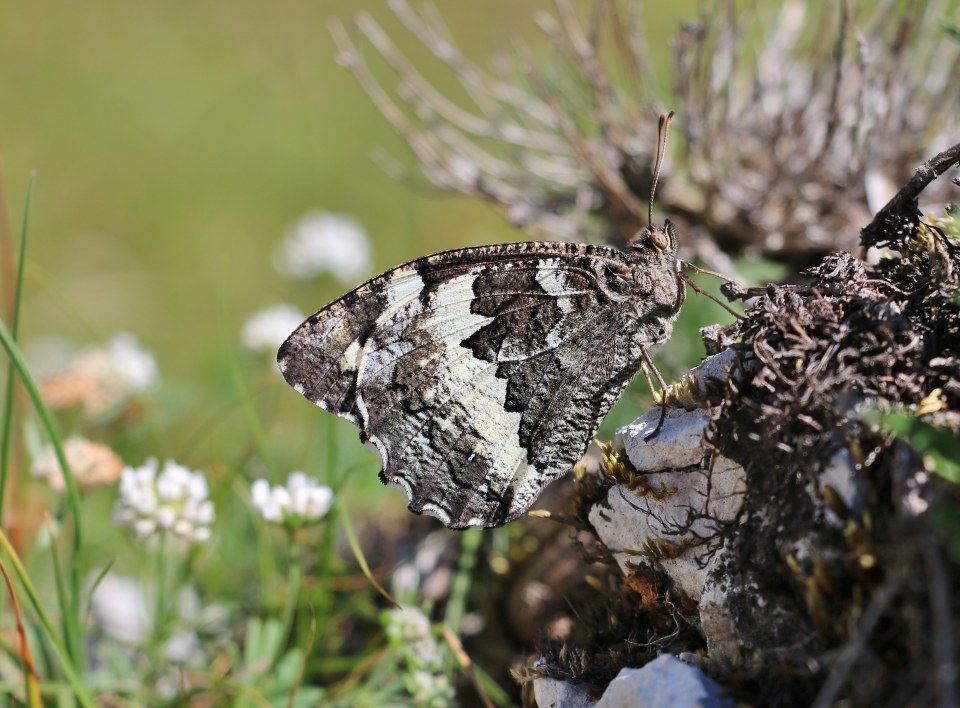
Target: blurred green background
(174,142)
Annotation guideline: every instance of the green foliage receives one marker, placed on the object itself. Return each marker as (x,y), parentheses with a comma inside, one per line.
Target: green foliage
(940,449)
(274,681)
(951,28)
(947,517)
(938,446)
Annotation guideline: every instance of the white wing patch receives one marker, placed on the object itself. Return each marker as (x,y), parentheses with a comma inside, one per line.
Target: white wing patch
(468,385)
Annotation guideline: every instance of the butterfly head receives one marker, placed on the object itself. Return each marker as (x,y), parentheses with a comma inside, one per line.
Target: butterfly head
(655,242)
(656,270)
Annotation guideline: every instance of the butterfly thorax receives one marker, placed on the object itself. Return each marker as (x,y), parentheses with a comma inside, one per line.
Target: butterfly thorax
(657,292)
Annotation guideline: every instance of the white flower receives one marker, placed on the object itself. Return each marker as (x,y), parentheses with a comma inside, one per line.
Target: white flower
(321,242)
(184,648)
(408,624)
(267,329)
(303,500)
(103,377)
(133,366)
(122,606)
(430,690)
(175,501)
(92,464)
(409,629)
(119,605)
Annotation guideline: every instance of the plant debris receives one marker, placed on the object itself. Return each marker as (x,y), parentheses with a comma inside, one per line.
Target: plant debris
(838,571)
(813,359)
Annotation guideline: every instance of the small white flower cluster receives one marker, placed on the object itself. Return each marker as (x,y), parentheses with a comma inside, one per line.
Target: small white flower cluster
(430,690)
(92,464)
(320,242)
(408,625)
(121,608)
(174,500)
(267,329)
(409,631)
(133,368)
(302,501)
(102,378)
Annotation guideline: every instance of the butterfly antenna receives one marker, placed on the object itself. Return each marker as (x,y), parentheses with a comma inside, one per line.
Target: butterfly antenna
(662,129)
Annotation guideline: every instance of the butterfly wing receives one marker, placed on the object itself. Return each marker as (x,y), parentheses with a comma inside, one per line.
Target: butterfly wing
(477,375)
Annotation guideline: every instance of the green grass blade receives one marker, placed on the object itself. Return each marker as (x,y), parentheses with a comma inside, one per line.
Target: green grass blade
(69,618)
(361,559)
(93,588)
(30,686)
(294,579)
(466,561)
(14,331)
(73,494)
(69,670)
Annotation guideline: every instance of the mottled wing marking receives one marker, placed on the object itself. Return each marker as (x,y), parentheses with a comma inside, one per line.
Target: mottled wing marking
(479,375)
(322,357)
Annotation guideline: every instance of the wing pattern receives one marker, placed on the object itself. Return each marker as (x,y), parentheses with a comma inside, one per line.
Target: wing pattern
(478,375)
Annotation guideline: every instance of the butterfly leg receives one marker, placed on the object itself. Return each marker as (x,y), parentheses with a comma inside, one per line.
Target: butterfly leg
(663,391)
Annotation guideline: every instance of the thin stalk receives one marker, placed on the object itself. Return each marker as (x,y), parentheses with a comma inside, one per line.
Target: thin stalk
(266,558)
(324,593)
(323,596)
(159,606)
(31,689)
(69,671)
(250,413)
(303,661)
(362,561)
(69,618)
(457,605)
(73,494)
(249,410)
(14,331)
(294,578)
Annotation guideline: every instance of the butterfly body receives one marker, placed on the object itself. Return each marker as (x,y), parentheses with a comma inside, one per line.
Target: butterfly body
(480,375)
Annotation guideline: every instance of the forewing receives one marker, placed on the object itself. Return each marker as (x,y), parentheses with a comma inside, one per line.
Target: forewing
(478,375)
(321,358)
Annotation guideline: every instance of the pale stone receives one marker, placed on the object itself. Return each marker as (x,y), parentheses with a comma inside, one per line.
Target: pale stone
(712,369)
(716,617)
(665,682)
(678,444)
(840,474)
(625,520)
(552,693)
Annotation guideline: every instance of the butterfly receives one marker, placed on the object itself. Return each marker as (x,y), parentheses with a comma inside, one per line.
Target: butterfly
(480,375)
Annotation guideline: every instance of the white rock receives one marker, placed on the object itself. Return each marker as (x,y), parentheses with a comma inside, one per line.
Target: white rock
(678,444)
(712,369)
(840,474)
(551,693)
(716,616)
(665,682)
(626,520)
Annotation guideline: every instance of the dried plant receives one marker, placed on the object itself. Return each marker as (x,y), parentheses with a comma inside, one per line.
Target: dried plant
(782,121)
(782,143)
(556,147)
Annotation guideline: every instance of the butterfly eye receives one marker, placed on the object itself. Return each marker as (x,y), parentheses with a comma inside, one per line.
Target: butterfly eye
(660,239)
